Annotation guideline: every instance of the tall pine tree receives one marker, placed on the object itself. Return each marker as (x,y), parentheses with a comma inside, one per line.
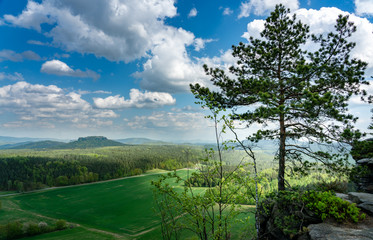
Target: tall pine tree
(304,94)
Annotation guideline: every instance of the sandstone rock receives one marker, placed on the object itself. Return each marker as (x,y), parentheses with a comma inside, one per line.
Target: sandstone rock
(358,197)
(324,231)
(367,207)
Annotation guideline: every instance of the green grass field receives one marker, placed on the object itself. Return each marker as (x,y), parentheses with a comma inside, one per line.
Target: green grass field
(120,209)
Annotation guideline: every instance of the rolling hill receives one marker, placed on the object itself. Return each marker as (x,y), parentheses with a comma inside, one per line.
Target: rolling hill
(83,142)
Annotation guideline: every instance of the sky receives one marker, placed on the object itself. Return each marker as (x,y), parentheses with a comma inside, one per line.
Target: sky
(122,68)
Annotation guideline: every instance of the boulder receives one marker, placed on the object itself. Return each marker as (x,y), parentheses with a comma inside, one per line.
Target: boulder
(358,197)
(324,231)
(367,207)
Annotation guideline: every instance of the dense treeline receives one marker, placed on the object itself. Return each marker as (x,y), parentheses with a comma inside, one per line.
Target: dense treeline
(28,169)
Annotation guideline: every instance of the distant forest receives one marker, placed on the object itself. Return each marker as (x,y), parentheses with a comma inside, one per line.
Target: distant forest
(28,169)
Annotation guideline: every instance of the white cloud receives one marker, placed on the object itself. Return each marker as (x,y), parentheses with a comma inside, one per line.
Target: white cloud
(9,55)
(56,67)
(364,7)
(264,7)
(170,120)
(193,12)
(119,30)
(14,77)
(36,42)
(170,69)
(35,103)
(137,100)
(227,11)
(321,22)
(200,43)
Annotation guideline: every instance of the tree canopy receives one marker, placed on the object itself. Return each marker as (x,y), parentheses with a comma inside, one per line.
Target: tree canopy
(294,93)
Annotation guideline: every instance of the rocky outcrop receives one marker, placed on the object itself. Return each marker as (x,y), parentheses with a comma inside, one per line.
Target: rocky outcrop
(363,201)
(276,218)
(362,231)
(365,181)
(362,152)
(325,231)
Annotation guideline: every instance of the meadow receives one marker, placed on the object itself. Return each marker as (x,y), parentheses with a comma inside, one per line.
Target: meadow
(116,209)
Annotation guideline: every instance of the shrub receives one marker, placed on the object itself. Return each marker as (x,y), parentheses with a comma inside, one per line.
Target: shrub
(327,205)
(13,230)
(32,229)
(287,213)
(61,224)
(43,226)
(335,186)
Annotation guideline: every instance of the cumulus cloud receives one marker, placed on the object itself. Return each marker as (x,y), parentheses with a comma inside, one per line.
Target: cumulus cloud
(119,30)
(264,7)
(137,100)
(193,12)
(56,67)
(321,22)
(170,69)
(200,43)
(9,55)
(36,103)
(8,76)
(364,7)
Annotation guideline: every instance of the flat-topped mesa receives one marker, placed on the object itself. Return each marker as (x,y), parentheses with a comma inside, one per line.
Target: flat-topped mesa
(92,138)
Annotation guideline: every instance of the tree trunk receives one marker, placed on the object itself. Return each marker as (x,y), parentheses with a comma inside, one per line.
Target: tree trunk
(281,160)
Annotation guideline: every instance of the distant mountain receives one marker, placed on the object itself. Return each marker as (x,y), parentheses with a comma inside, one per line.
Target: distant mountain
(139,141)
(34,145)
(12,140)
(83,142)
(91,142)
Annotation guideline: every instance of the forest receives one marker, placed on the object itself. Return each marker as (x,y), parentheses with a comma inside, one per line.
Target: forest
(25,169)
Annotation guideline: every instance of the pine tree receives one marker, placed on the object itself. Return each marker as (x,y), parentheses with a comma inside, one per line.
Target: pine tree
(304,94)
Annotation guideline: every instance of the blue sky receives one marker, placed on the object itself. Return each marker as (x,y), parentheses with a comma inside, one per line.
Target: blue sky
(122,68)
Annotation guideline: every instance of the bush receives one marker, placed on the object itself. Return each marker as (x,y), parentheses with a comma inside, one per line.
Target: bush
(13,230)
(32,229)
(286,214)
(61,224)
(335,186)
(43,226)
(327,205)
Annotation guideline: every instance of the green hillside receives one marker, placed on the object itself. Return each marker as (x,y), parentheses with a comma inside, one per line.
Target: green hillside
(120,209)
(40,145)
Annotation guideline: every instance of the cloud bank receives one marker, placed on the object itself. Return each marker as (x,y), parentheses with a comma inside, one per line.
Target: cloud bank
(137,100)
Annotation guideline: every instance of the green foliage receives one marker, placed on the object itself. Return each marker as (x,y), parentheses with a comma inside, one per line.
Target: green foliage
(61,224)
(209,211)
(14,230)
(25,170)
(33,229)
(43,226)
(303,93)
(327,205)
(292,211)
(362,149)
